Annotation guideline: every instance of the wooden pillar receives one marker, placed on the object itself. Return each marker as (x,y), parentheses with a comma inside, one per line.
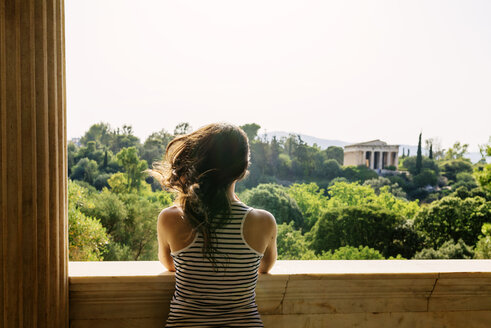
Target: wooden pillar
(33,167)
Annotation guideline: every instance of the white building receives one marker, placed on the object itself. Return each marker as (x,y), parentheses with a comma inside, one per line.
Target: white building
(375,154)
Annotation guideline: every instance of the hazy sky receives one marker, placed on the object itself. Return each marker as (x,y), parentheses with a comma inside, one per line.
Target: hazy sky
(346,70)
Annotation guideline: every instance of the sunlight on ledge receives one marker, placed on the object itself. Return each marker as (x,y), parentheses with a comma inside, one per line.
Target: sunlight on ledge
(152,268)
(363,293)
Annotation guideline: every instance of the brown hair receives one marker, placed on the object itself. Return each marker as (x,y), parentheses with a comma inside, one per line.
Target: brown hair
(200,166)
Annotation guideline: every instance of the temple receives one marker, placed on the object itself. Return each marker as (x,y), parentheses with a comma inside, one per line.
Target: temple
(375,154)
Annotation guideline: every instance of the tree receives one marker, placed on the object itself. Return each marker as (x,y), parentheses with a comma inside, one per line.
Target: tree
(483,246)
(450,168)
(275,199)
(359,173)
(311,201)
(109,209)
(449,250)
(434,148)
(336,153)
(426,177)
(457,151)
(139,231)
(352,253)
(419,157)
(123,138)
(380,182)
(292,245)
(483,173)
(182,128)
(100,133)
(331,169)
(410,163)
(132,166)
(343,194)
(483,177)
(87,237)
(453,218)
(85,170)
(251,130)
(485,149)
(370,226)
(465,179)
(155,145)
(90,151)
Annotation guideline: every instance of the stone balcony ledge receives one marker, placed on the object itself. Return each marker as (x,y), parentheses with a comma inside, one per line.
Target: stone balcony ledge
(362,293)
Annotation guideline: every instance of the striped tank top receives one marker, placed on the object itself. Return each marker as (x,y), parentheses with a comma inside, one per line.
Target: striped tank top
(220,297)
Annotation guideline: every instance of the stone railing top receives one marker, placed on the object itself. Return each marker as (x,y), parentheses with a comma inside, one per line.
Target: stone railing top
(332,267)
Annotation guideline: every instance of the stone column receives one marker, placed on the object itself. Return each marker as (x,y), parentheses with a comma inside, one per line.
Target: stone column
(380,156)
(33,167)
(372,159)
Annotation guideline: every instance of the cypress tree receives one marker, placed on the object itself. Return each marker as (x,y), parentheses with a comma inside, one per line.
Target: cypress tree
(104,165)
(431,151)
(419,157)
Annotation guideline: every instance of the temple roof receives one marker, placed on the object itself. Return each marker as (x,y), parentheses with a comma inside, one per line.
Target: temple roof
(376,142)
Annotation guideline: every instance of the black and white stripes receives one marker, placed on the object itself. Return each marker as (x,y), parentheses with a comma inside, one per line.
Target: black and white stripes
(222,296)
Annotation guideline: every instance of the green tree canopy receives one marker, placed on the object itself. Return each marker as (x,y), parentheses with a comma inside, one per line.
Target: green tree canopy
(483,246)
(87,237)
(450,168)
(275,199)
(311,201)
(85,170)
(457,151)
(251,130)
(133,167)
(449,250)
(292,245)
(336,153)
(352,253)
(453,218)
(370,226)
(100,133)
(182,128)
(426,163)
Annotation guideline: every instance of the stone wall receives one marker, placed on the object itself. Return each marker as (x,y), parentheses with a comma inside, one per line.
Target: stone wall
(371,293)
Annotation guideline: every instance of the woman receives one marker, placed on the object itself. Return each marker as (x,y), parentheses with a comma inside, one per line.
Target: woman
(216,244)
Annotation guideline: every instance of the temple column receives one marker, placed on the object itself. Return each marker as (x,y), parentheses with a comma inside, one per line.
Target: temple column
(372,159)
(33,167)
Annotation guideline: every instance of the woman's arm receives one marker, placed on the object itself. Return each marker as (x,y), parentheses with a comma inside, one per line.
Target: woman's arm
(271,253)
(162,234)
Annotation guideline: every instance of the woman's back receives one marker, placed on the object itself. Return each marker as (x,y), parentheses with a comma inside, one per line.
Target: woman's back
(222,295)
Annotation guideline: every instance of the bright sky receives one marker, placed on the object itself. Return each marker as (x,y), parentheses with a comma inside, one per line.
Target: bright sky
(346,70)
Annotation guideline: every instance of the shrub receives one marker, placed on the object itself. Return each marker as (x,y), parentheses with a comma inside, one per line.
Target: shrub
(352,253)
(453,218)
(483,246)
(449,250)
(275,199)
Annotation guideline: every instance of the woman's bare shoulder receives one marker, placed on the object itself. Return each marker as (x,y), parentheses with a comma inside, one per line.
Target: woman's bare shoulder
(261,218)
(171,216)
